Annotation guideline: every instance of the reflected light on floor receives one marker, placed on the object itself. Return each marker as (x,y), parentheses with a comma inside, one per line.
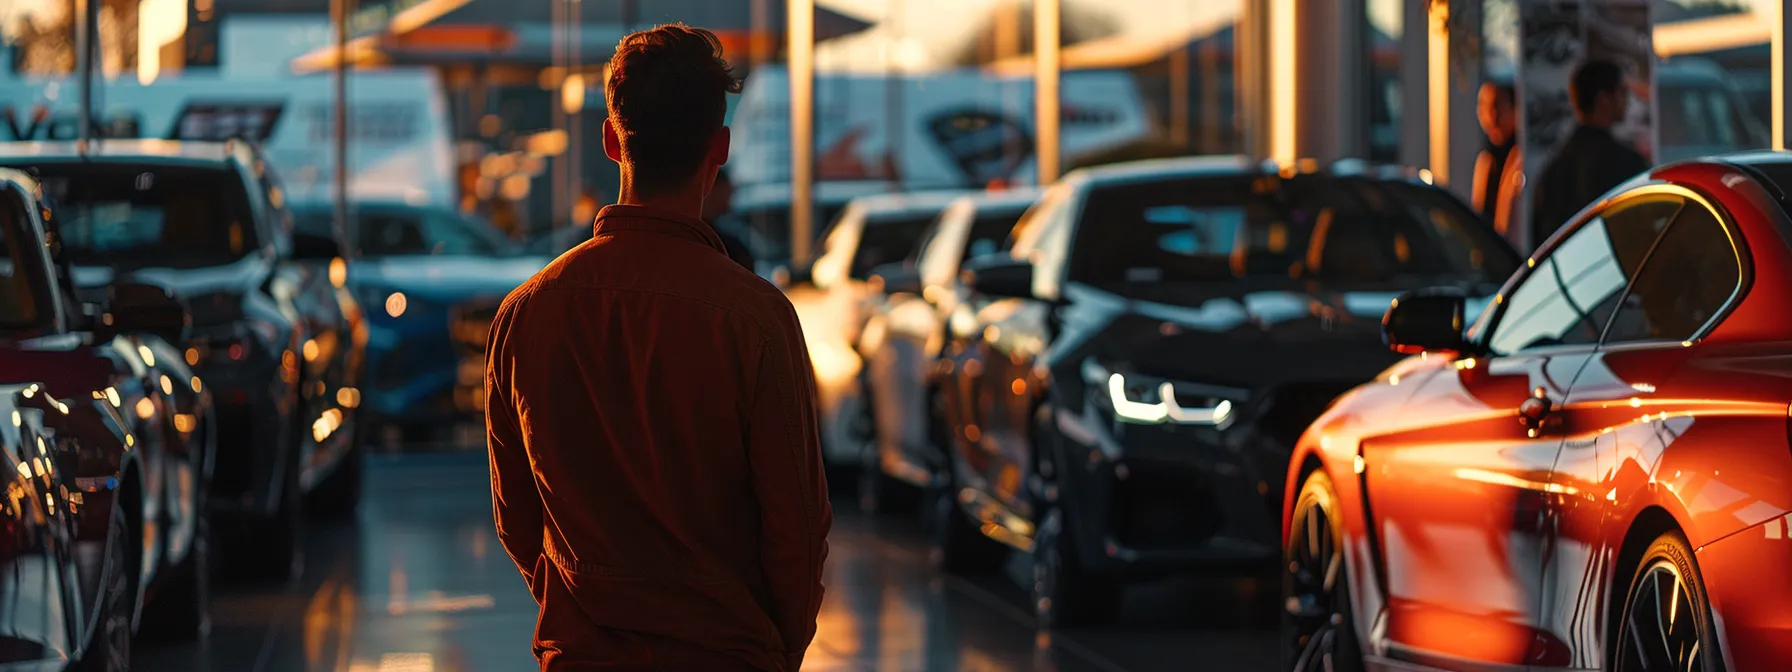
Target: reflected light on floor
(435,602)
(397,662)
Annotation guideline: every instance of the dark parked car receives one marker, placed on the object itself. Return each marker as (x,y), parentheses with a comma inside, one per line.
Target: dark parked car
(922,307)
(120,466)
(1169,328)
(431,279)
(271,336)
(67,538)
(1595,476)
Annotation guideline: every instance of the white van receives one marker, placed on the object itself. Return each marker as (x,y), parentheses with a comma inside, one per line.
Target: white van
(400,143)
(956,128)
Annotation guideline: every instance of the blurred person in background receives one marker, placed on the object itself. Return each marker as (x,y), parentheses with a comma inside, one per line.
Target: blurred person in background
(1499,120)
(717,210)
(1591,161)
(656,468)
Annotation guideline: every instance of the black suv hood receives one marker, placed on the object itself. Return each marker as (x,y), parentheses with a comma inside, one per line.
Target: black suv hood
(1246,335)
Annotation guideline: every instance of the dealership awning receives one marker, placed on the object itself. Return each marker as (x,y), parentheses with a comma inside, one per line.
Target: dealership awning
(523,32)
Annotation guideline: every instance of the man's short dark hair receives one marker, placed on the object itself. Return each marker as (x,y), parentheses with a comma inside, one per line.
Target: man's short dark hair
(666,94)
(1594,77)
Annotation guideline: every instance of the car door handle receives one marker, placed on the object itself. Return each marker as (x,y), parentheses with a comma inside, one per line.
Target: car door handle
(1535,409)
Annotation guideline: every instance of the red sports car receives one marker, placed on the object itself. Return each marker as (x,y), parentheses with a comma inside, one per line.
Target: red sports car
(1595,475)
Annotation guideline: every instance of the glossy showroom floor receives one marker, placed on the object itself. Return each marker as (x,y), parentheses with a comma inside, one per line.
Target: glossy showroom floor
(419,584)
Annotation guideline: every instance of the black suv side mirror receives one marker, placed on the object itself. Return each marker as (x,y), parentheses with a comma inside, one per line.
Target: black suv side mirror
(306,247)
(897,278)
(999,276)
(1426,320)
(133,308)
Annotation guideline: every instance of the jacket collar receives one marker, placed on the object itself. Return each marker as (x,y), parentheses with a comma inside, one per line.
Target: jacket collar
(615,218)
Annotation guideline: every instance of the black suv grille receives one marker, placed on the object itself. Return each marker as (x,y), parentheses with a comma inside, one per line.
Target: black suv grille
(1163,505)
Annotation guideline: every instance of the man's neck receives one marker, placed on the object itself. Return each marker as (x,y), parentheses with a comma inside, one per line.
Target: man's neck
(678,202)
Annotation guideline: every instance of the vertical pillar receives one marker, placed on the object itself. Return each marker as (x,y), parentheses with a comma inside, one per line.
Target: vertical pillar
(86,19)
(575,122)
(1782,75)
(1250,62)
(344,229)
(1415,84)
(1046,68)
(1454,68)
(1331,62)
(800,30)
(1179,93)
(895,81)
(1283,50)
(558,203)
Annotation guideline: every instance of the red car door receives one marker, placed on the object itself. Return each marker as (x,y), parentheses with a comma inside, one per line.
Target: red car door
(1459,494)
(1643,392)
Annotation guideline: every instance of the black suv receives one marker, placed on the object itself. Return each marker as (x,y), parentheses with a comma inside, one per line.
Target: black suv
(1162,333)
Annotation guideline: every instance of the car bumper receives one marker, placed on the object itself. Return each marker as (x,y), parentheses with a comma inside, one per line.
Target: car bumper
(1163,498)
(253,418)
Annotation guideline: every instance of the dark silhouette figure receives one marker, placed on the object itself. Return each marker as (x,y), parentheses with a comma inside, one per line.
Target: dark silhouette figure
(1591,161)
(718,212)
(656,469)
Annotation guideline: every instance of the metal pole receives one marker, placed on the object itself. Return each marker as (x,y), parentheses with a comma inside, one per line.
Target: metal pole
(800,30)
(1781,74)
(340,11)
(575,122)
(86,11)
(1046,62)
(893,84)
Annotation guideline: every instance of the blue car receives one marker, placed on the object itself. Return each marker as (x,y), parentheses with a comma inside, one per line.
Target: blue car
(430,278)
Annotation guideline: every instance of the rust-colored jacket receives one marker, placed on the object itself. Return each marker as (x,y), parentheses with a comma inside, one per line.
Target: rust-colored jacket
(656,470)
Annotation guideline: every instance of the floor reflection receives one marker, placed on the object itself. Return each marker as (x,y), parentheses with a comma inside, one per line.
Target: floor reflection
(416,584)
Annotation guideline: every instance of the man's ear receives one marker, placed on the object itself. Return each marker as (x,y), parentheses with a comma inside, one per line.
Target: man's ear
(612,142)
(718,146)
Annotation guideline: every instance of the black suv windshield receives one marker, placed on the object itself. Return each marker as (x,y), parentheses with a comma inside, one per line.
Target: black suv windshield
(126,216)
(888,238)
(1319,227)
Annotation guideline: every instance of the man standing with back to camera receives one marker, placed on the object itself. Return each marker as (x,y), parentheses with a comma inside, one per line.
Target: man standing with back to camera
(656,471)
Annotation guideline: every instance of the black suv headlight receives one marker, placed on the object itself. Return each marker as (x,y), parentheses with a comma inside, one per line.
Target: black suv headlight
(1151,400)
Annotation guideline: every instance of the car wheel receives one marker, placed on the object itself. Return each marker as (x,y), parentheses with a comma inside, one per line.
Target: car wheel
(277,543)
(958,547)
(1318,627)
(1666,623)
(878,492)
(181,608)
(109,645)
(340,493)
(1065,594)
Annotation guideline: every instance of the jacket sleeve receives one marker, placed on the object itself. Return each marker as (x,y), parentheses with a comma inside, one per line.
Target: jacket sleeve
(516,504)
(784,454)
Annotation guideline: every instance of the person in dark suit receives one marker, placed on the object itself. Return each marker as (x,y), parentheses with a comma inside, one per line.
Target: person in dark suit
(1591,162)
